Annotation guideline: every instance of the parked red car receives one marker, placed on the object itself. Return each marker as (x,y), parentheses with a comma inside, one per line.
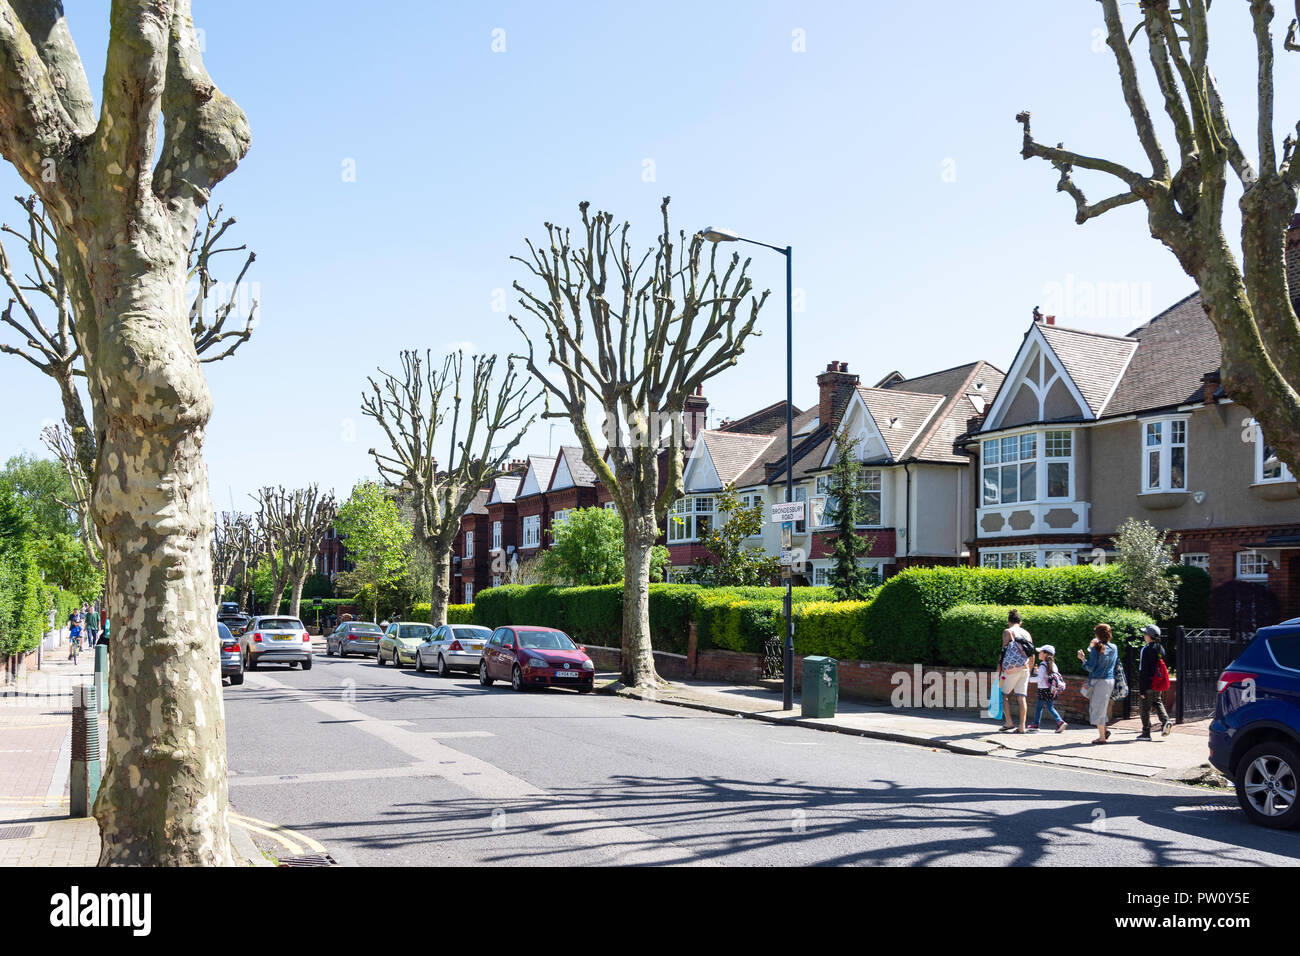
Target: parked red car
(535,656)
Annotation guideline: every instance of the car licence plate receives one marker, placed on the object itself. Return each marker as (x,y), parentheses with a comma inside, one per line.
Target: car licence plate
(566,673)
(476,647)
(282,637)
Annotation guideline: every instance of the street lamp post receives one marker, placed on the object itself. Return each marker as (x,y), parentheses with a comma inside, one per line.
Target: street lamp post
(714,234)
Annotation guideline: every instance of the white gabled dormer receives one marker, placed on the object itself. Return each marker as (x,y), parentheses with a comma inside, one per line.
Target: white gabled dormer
(562,477)
(860,425)
(1037,389)
(537,477)
(700,473)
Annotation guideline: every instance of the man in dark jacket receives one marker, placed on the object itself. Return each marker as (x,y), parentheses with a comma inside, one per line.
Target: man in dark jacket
(1149,665)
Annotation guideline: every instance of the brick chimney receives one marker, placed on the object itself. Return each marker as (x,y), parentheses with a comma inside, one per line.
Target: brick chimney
(836,386)
(1041,319)
(695,414)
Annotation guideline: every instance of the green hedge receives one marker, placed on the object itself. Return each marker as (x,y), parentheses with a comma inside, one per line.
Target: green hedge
(24,604)
(832,628)
(970,635)
(900,625)
(456,613)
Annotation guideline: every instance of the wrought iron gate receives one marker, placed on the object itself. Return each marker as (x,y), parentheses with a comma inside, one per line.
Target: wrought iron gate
(1202,655)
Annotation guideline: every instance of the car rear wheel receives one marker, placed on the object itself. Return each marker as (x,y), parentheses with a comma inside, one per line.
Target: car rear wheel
(236,680)
(483,677)
(306,665)
(1267,789)
(443,669)
(516,679)
(249,663)
(329,649)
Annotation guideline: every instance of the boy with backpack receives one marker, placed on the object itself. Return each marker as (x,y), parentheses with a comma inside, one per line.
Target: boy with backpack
(1050,686)
(1153,681)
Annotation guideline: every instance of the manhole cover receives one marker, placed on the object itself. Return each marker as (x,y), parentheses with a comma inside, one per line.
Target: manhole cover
(311,859)
(16,833)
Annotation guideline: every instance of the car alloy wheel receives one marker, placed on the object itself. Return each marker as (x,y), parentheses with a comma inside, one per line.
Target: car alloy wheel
(1267,785)
(517,678)
(483,677)
(419,663)
(443,669)
(397,657)
(379,657)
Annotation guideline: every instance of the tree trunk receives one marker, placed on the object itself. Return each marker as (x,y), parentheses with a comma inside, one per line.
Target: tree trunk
(638,654)
(439,594)
(295,599)
(163,801)
(279,580)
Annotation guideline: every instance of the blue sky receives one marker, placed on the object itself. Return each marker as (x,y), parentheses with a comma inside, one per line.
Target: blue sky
(885,151)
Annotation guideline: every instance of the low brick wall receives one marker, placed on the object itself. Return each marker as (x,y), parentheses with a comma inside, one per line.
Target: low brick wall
(670,666)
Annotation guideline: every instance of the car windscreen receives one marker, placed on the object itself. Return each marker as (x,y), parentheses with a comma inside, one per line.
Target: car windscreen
(419,632)
(280,624)
(546,640)
(472,633)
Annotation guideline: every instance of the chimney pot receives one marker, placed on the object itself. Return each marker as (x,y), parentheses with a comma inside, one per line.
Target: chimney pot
(1050,319)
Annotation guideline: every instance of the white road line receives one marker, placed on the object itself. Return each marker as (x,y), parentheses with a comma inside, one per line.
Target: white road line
(334,776)
(624,845)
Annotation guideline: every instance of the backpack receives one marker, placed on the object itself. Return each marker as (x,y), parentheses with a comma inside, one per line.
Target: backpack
(1027,646)
(1160,680)
(1055,684)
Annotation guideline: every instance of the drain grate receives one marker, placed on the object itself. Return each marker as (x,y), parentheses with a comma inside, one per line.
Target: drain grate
(1208,807)
(310,859)
(16,833)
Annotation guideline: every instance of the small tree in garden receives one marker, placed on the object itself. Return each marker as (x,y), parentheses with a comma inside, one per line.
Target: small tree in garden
(371,525)
(845,511)
(735,562)
(587,548)
(1144,554)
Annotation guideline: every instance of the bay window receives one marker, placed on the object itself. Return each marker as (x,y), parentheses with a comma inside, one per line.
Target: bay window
(690,519)
(532,527)
(496,535)
(1164,455)
(869,502)
(1268,466)
(1011,466)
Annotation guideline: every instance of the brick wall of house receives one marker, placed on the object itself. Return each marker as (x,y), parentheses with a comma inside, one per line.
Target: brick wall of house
(885,544)
(524,508)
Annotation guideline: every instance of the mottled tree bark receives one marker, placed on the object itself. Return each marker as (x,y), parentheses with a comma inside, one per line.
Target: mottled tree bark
(122,228)
(440,590)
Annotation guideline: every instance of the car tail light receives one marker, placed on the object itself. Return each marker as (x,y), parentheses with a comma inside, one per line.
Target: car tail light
(230,647)
(455,646)
(257,637)
(306,637)
(1228,678)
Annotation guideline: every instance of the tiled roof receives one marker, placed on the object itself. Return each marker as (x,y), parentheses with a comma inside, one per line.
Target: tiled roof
(578,470)
(478,504)
(900,415)
(762,422)
(1175,349)
(938,442)
(1093,361)
(507,486)
(733,452)
(543,467)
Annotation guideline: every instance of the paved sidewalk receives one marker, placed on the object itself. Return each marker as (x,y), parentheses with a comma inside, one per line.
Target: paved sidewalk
(35,760)
(1180,756)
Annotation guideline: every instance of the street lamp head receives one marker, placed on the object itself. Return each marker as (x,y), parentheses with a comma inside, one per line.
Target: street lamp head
(714,234)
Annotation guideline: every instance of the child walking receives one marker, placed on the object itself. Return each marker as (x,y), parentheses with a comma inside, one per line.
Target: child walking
(1050,684)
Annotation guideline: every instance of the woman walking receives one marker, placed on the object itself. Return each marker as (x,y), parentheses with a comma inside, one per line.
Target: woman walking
(1100,662)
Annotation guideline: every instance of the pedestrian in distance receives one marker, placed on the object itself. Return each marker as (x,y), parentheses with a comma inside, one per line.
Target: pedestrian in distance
(1099,662)
(1153,681)
(1017,661)
(103,634)
(92,626)
(1050,686)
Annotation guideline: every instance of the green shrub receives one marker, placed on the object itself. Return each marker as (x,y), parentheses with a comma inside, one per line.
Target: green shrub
(906,609)
(832,628)
(456,613)
(970,635)
(1193,609)
(24,609)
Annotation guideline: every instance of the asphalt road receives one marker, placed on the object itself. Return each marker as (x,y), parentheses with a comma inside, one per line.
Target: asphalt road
(390,767)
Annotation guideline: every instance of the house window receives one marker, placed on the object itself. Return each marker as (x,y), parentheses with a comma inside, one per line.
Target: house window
(821,573)
(1196,559)
(1009,559)
(496,535)
(532,531)
(611,506)
(1058,559)
(558,516)
(1164,455)
(1058,448)
(869,508)
(690,519)
(1268,466)
(469,594)
(821,576)
(1252,566)
(1011,469)
(469,544)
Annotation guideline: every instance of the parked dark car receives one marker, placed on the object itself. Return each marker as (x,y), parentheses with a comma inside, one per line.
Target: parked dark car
(232,659)
(535,657)
(236,621)
(1255,733)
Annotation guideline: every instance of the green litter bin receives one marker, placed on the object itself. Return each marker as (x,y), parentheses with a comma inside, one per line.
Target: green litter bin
(821,687)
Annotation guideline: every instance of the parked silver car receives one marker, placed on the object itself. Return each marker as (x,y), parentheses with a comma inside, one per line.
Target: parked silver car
(453,647)
(276,639)
(232,660)
(354,637)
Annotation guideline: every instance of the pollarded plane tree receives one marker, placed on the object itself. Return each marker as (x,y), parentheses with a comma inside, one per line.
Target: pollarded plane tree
(291,525)
(629,337)
(40,311)
(232,538)
(474,417)
(122,208)
(1248,302)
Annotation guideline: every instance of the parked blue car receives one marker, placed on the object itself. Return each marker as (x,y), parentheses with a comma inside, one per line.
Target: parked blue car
(1255,734)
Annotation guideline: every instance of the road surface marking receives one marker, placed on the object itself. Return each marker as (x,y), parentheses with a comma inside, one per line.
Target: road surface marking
(334,776)
(282,835)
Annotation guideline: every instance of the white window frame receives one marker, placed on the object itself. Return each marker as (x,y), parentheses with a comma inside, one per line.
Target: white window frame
(822,570)
(469,544)
(469,592)
(559,516)
(869,476)
(611,506)
(532,531)
(1284,472)
(1196,559)
(1256,575)
(1038,556)
(684,518)
(496,535)
(1163,450)
(1049,460)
